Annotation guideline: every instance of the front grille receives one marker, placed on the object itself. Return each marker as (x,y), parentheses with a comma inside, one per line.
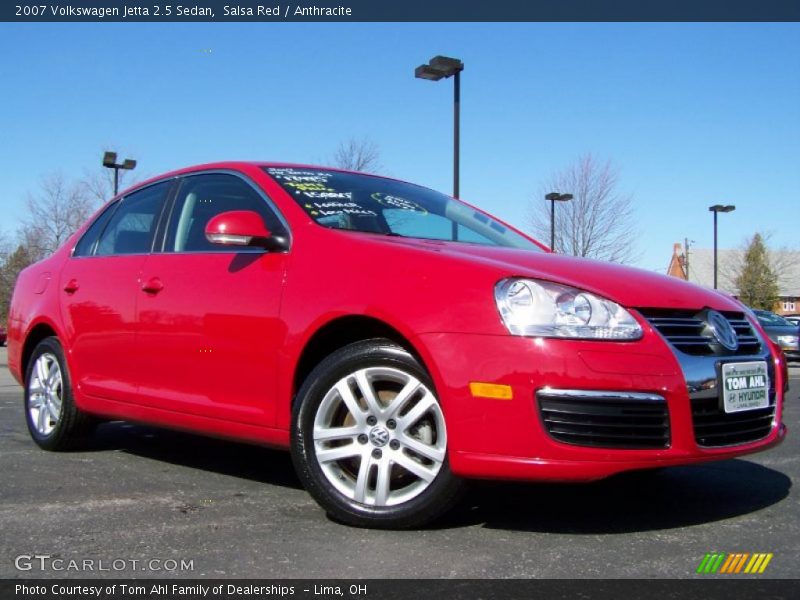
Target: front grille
(688,332)
(715,427)
(605,420)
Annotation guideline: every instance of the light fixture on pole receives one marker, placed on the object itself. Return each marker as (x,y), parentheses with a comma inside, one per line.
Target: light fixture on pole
(444,67)
(555,197)
(110,162)
(718,208)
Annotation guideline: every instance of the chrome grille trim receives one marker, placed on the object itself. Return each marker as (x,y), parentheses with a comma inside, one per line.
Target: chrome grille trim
(605,419)
(688,333)
(600,394)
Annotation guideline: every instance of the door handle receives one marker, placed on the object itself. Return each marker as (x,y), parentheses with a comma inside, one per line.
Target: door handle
(72,286)
(153,286)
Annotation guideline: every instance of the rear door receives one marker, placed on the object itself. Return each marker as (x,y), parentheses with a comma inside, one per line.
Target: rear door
(99,287)
(208,319)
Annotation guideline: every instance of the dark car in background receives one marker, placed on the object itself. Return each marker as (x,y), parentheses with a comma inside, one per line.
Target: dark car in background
(781,331)
(3,336)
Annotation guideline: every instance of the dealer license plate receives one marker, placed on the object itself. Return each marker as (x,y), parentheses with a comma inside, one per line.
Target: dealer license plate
(745,386)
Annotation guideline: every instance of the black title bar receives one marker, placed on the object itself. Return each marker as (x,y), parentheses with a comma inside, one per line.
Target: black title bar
(400,10)
(717,588)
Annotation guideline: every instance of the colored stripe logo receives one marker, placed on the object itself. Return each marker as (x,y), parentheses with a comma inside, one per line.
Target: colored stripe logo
(733,563)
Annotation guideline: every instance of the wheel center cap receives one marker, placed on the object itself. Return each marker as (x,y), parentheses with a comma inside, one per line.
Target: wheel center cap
(379,436)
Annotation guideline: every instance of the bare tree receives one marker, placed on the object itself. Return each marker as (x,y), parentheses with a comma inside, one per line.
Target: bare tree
(357,155)
(782,260)
(54,213)
(11,263)
(99,185)
(5,246)
(598,222)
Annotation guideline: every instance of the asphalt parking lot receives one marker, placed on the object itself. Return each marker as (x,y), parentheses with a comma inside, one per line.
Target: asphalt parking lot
(144,494)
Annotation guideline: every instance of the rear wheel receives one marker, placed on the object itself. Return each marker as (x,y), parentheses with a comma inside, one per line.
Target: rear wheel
(369,438)
(54,422)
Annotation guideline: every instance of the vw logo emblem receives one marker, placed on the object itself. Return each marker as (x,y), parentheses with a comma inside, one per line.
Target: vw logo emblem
(722,330)
(379,436)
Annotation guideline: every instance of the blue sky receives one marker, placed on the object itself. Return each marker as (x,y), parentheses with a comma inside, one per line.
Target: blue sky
(693,114)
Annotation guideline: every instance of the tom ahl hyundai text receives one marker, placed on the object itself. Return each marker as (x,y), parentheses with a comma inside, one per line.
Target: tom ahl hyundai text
(398,341)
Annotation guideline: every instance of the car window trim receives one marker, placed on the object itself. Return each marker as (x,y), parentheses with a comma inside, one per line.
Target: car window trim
(271,206)
(163,217)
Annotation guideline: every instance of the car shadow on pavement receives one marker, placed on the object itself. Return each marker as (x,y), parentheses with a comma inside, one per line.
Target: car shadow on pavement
(632,502)
(639,501)
(256,463)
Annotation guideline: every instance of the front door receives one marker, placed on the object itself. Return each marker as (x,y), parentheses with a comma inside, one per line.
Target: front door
(208,321)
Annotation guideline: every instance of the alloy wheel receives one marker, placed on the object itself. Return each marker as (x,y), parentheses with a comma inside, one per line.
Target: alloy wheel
(379,436)
(45,394)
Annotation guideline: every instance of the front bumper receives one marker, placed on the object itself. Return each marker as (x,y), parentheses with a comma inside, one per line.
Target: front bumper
(507,439)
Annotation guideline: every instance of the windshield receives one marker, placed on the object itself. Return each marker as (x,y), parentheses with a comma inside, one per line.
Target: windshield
(771,319)
(376,205)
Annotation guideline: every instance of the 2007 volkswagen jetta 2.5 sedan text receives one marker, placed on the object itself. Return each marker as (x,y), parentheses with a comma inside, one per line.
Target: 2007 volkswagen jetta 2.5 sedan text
(398,341)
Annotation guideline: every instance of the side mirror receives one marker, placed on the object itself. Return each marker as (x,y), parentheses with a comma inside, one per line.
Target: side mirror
(243,228)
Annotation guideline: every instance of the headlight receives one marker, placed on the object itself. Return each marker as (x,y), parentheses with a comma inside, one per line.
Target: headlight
(787,341)
(545,309)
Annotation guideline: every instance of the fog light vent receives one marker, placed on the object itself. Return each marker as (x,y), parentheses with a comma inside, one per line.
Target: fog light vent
(623,420)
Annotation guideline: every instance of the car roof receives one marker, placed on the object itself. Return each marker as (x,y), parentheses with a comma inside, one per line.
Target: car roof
(239,164)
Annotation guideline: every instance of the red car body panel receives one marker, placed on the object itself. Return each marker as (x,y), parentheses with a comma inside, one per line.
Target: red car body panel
(217,349)
(201,357)
(99,322)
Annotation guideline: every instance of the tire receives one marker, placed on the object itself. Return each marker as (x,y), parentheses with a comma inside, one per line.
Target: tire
(369,441)
(54,422)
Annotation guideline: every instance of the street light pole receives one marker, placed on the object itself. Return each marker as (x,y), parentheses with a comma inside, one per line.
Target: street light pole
(456,132)
(555,197)
(437,68)
(718,208)
(110,162)
(715,248)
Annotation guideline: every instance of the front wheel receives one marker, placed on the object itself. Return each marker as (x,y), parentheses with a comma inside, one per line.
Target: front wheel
(369,439)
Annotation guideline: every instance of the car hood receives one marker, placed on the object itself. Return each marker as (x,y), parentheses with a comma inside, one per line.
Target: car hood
(628,286)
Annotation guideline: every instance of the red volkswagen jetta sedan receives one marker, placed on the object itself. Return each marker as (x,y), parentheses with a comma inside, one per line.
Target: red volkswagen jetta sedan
(398,341)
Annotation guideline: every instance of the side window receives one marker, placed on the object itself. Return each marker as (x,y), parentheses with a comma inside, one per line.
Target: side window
(86,245)
(202,197)
(130,230)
